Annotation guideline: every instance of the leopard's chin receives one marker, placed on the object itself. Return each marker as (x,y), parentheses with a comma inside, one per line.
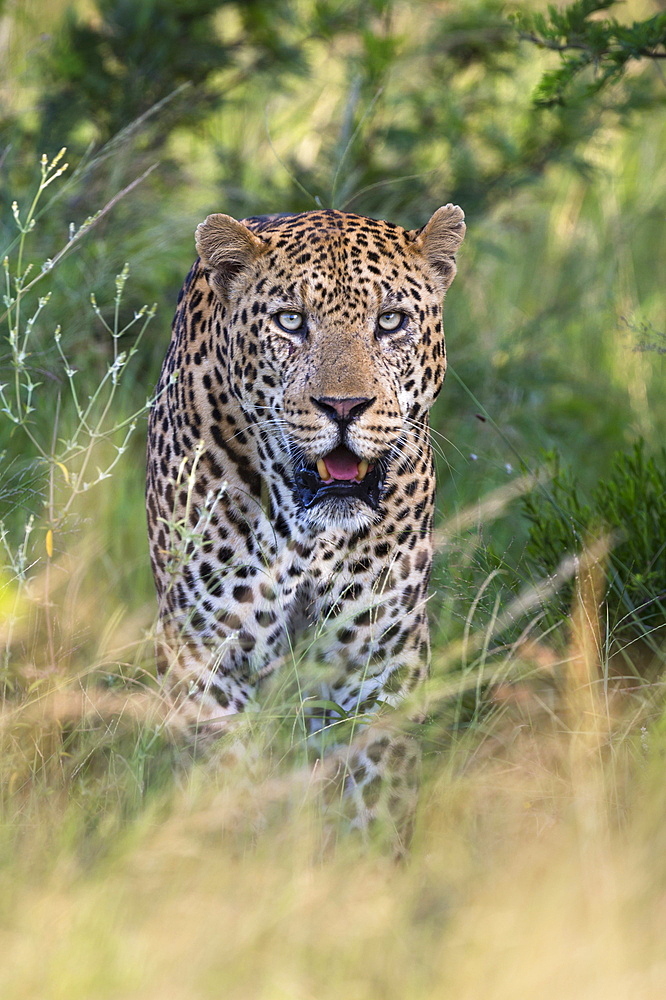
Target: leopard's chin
(348,514)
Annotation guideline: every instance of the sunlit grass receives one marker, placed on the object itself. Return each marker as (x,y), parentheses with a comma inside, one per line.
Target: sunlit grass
(536,865)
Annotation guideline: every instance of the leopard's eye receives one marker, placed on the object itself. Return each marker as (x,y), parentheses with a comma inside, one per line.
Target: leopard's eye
(289,321)
(390,321)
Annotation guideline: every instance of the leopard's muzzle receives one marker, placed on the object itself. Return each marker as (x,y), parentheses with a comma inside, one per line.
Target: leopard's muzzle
(341,473)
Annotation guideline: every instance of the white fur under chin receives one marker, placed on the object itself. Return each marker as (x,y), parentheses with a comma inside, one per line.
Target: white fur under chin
(339,513)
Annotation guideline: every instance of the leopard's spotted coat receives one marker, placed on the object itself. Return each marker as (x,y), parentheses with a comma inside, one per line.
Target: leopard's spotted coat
(246,562)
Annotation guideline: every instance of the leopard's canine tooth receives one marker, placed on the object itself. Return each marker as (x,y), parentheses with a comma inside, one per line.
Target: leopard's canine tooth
(322,470)
(363,467)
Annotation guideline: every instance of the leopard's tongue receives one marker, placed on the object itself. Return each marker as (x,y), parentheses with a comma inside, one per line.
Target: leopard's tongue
(341,464)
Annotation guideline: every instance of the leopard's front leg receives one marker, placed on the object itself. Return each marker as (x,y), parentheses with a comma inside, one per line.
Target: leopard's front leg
(373,775)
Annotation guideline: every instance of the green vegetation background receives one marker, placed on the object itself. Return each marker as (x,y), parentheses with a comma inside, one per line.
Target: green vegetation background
(556,332)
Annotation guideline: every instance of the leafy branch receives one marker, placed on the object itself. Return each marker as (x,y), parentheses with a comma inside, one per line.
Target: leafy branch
(586,42)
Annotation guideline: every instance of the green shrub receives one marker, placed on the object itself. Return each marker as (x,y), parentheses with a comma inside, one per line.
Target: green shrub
(110,68)
(628,505)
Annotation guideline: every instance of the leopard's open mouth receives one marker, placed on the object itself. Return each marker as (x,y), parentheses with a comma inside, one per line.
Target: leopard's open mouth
(341,473)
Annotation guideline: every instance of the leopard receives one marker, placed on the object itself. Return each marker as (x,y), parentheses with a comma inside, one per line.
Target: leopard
(291,482)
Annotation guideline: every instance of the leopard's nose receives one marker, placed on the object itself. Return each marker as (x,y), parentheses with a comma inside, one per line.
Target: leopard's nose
(344,409)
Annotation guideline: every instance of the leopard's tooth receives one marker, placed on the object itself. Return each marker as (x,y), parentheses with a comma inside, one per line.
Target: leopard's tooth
(363,466)
(322,470)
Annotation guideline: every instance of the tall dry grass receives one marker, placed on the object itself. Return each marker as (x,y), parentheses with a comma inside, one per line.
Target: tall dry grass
(127,869)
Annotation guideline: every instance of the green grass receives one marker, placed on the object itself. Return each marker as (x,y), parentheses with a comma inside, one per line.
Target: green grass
(127,869)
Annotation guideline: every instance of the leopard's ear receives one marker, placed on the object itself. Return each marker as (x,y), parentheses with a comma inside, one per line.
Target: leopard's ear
(226,248)
(439,240)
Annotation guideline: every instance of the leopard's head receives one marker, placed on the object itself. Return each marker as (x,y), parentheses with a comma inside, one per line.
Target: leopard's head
(335,345)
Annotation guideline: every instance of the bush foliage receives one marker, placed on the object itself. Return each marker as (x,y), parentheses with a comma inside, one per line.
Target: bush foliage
(627,506)
(595,52)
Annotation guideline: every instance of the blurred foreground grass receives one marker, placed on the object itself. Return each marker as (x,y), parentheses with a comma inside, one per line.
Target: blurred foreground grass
(537,866)
(129,870)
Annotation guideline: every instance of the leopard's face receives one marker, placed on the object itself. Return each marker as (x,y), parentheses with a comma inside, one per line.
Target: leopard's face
(338,321)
